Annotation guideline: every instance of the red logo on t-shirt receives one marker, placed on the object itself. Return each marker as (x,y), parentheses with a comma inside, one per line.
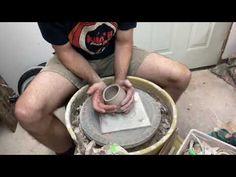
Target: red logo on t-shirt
(92,37)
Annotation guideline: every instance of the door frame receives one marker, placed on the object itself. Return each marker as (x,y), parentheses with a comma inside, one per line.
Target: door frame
(221,60)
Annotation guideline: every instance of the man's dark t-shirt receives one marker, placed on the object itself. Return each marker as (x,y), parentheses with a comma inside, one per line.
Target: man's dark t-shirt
(93,40)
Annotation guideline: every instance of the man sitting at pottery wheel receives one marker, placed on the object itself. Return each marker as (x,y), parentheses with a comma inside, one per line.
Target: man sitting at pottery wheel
(84,53)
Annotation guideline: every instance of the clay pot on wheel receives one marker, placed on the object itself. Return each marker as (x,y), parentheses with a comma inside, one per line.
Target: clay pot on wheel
(114,95)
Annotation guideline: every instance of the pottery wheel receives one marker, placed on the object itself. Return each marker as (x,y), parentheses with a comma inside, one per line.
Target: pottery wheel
(89,120)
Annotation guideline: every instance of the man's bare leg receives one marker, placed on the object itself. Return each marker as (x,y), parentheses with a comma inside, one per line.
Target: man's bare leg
(35,108)
(170,75)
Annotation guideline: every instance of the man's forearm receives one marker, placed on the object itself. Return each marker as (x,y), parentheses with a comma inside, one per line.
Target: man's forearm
(123,53)
(78,65)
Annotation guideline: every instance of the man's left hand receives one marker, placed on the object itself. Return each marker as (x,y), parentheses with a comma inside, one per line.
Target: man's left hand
(127,103)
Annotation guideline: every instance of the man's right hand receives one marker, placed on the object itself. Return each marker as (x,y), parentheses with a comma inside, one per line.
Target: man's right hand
(95,91)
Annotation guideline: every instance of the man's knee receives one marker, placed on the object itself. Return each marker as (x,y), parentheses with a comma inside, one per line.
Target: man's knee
(182,76)
(27,112)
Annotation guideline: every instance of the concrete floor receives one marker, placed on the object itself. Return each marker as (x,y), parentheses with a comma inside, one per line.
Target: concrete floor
(208,102)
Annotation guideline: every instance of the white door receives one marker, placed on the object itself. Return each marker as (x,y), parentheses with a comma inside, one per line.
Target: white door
(194,44)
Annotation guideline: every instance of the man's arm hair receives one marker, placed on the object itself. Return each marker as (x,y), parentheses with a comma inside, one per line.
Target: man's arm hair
(123,51)
(76,63)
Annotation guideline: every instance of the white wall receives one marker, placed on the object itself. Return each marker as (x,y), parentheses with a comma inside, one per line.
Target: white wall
(21,47)
(230,48)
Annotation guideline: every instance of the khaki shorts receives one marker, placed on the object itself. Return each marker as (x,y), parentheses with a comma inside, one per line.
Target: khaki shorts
(103,67)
